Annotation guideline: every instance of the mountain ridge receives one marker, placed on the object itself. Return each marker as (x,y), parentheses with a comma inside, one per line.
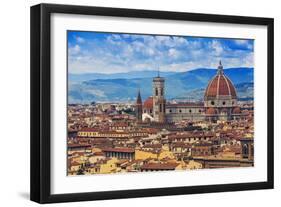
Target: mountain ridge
(124,87)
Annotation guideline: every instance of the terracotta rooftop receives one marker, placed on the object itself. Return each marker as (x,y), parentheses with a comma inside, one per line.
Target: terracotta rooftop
(78,145)
(148,103)
(159,166)
(211,111)
(129,150)
(236,110)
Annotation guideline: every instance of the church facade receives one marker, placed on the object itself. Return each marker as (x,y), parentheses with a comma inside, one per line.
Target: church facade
(220,103)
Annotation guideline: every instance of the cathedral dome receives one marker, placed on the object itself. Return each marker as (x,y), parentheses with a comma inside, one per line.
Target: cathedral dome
(148,103)
(211,111)
(236,110)
(220,86)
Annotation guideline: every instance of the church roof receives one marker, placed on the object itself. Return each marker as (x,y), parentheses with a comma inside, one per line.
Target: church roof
(139,101)
(220,85)
(148,103)
(236,110)
(211,111)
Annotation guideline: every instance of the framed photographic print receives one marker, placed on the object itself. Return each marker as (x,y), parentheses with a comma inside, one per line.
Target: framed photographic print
(132,103)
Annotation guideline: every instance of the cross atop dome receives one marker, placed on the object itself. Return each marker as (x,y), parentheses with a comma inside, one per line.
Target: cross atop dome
(220,68)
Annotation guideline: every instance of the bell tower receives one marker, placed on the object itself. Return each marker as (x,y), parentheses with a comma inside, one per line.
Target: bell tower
(159,102)
(138,108)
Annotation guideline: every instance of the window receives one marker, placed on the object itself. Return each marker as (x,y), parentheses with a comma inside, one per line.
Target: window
(160,107)
(190,110)
(162,92)
(180,110)
(245,150)
(223,103)
(170,110)
(212,102)
(156,92)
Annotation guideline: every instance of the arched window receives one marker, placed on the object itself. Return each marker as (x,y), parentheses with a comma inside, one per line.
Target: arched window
(156,92)
(245,150)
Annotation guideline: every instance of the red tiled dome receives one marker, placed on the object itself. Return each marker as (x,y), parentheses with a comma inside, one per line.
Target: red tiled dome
(211,111)
(245,112)
(220,85)
(236,110)
(148,103)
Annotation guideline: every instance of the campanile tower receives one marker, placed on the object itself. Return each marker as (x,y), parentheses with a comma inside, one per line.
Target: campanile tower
(159,102)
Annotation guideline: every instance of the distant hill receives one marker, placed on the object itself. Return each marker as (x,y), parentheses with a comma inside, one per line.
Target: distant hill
(129,75)
(179,85)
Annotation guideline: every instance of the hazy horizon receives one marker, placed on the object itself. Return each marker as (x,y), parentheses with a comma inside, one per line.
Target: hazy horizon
(156,71)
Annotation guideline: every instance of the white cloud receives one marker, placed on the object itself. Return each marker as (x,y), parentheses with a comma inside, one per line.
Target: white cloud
(241,42)
(217,47)
(245,43)
(180,41)
(138,46)
(173,53)
(80,39)
(149,51)
(74,50)
(124,52)
(116,36)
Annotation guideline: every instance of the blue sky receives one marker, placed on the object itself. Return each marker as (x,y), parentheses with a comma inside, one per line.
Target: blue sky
(94,52)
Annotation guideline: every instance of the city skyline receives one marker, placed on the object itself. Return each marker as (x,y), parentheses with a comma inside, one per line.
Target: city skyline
(136,105)
(156,135)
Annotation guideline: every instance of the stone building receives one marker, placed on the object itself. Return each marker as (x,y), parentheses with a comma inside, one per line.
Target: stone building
(247,148)
(120,153)
(159,101)
(220,103)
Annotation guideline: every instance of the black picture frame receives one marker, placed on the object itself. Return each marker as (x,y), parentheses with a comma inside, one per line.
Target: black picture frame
(41,98)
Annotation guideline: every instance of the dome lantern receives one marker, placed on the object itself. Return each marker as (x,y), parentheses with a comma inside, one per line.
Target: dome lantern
(220,68)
